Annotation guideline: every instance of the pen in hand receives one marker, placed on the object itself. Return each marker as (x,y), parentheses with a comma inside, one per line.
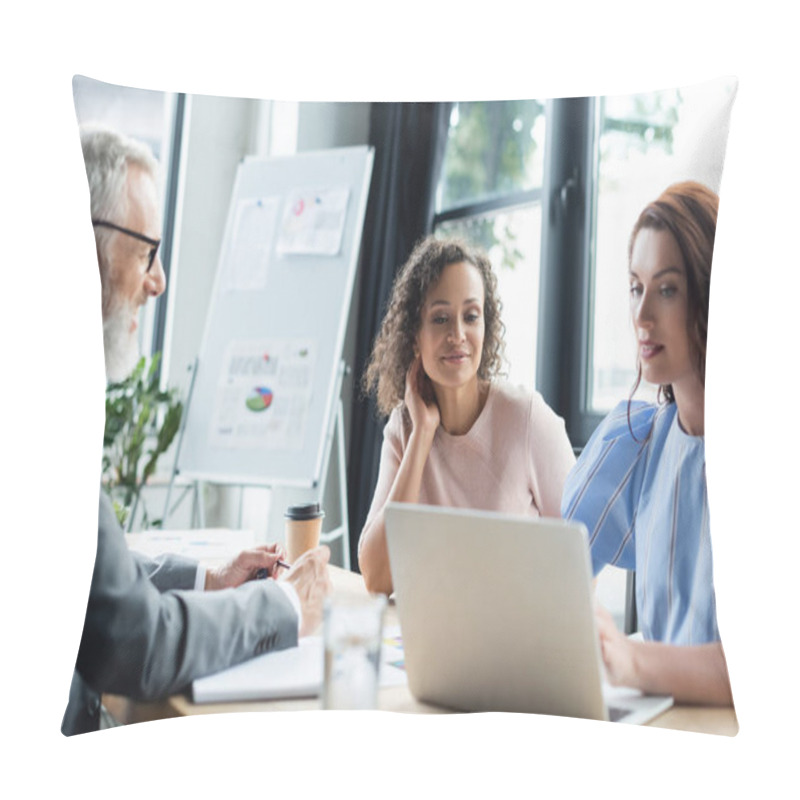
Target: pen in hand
(263,573)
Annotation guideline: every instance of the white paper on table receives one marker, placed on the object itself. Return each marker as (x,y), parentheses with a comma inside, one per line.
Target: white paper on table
(291,673)
(392,668)
(202,544)
(294,672)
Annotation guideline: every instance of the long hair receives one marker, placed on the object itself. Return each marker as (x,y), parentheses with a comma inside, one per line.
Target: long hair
(688,210)
(393,351)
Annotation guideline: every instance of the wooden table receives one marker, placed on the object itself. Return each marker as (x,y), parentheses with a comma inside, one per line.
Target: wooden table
(396,698)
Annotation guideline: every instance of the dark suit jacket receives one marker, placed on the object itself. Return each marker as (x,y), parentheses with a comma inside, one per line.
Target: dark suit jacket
(148,635)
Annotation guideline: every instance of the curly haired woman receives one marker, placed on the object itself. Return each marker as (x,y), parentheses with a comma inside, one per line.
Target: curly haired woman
(457,435)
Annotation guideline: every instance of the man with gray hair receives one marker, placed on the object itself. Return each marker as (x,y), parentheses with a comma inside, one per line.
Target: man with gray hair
(123,176)
(153,626)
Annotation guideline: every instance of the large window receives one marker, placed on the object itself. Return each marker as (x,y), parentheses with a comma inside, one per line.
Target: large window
(490,193)
(156,119)
(555,216)
(645,142)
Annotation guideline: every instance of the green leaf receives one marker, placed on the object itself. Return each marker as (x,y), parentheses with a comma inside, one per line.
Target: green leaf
(121,512)
(133,408)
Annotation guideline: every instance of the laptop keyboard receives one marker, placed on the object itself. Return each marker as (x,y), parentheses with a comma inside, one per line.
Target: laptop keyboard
(616,714)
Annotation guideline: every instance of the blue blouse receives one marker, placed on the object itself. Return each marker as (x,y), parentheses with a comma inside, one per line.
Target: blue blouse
(645,505)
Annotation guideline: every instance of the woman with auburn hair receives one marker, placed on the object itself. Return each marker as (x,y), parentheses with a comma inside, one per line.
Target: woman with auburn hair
(457,435)
(640,483)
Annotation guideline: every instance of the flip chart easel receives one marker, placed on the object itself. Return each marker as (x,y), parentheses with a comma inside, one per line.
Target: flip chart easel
(264,407)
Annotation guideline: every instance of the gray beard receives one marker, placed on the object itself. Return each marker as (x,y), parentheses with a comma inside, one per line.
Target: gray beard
(121,347)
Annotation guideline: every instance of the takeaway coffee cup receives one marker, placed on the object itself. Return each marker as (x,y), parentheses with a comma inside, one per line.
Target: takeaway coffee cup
(303,526)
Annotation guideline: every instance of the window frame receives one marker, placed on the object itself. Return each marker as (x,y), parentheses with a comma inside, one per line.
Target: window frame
(497,201)
(168,225)
(567,199)
(565,293)
(500,202)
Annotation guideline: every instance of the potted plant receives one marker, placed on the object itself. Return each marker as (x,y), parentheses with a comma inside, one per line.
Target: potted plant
(138,413)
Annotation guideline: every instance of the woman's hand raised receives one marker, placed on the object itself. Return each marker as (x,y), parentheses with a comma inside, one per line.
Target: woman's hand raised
(420,400)
(404,478)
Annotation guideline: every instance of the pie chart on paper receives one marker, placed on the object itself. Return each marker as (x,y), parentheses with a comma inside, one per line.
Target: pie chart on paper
(260,399)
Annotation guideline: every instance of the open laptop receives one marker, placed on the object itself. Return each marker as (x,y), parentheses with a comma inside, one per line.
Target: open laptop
(496,614)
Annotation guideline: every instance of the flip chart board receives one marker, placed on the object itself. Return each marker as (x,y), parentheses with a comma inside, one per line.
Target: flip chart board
(268,373)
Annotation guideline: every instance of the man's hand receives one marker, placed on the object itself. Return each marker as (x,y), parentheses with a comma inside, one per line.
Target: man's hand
(309,577)
(245,566)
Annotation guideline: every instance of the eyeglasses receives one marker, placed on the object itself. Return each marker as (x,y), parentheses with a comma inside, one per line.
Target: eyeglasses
(154,243)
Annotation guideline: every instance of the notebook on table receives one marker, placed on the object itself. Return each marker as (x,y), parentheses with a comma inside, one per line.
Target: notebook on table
(295,672)
(496,613)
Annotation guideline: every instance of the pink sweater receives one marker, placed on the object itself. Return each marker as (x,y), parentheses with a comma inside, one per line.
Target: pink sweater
(515,458)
